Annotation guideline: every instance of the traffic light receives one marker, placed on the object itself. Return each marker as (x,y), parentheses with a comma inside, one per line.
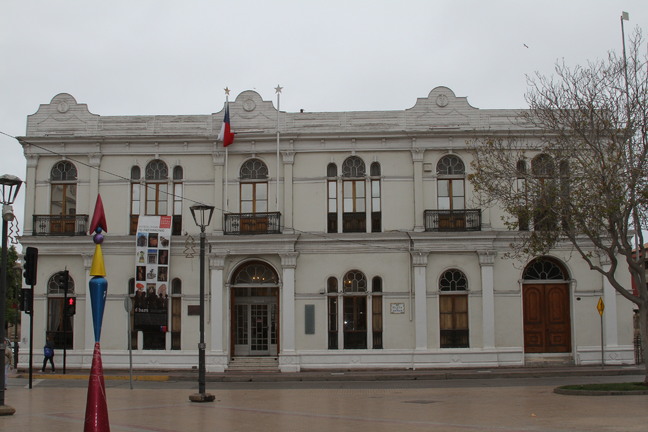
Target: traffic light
(31,265)
(70,306)
(26,300)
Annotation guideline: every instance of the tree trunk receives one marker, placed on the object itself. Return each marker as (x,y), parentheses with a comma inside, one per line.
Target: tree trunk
(643,331)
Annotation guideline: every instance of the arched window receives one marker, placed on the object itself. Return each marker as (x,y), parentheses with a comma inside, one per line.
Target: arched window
(254,186)
(178,174)
(376,312)
(450,183)
(332,203)
(453,309)
(376,215)
(544,269)
(354,218)
(176,313)
(354,310)
(332,305)
(256,273)
(157,188)
(521,191)
(136,197)
(544,197)
(63,199)
(60,328)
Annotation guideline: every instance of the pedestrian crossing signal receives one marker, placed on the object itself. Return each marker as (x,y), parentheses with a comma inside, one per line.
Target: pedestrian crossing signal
(70,307)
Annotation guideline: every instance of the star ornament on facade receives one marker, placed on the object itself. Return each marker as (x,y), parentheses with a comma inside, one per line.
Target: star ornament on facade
(278,89)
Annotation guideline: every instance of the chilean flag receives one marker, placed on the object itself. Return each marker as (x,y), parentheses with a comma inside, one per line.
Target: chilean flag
(225,134)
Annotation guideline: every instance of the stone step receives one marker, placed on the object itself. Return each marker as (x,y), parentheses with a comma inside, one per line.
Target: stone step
(253,364)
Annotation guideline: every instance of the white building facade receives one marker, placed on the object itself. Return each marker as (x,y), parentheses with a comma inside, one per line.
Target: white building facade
(339,240)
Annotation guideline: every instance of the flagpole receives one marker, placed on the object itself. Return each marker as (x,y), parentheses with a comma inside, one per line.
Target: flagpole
(226,203)
(278,91)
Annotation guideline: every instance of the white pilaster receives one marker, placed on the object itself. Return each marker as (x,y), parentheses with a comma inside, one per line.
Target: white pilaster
(217,312)
(419,264)
(486,263)
(610,313)
(287,341)
(417,159)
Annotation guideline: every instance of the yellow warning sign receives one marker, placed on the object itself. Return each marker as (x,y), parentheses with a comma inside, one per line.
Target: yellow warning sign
(600,306)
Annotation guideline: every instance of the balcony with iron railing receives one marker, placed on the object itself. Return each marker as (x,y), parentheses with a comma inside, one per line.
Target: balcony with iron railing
(452,220)
(60,225)
(252,223)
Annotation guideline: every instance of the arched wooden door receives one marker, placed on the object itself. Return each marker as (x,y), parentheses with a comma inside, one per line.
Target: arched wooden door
(546,308)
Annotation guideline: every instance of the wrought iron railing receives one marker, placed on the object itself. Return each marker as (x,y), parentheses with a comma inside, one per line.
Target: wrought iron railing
(453,220)
(252,223)
(58,225)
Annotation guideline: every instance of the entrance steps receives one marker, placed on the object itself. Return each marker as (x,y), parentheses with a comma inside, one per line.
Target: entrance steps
(253,364)
(548,360)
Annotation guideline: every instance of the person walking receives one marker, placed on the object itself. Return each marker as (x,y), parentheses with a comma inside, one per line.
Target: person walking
(48,351)
(8,362)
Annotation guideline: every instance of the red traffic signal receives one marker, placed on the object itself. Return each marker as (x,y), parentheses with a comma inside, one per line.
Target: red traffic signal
(70,306)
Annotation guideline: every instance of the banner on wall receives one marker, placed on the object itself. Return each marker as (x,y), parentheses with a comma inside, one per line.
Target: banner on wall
(152,253)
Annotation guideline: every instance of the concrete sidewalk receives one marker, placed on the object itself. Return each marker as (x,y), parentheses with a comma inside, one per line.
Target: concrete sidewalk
(380,408)
(349,374)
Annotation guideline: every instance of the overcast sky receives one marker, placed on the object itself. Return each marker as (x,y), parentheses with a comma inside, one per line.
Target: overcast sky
(142,57)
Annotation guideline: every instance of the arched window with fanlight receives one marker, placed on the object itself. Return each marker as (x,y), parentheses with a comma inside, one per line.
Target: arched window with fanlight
(354,216)
(453,309)
(376,214)
(63,198)
(136,197)
(544,173)
(254,217)
(332,201)
(60,328)
(157,188)
(356,307)
(178,175)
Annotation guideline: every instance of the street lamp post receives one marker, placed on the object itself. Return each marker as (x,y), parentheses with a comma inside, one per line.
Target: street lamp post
(9,186)
(202,215)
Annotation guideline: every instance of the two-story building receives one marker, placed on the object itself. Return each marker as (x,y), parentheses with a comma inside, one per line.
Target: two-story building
(339,240)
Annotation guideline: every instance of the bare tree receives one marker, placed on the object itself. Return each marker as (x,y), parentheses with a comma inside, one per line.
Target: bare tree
(579,176)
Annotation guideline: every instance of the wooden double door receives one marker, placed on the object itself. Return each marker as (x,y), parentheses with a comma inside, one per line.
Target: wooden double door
(547,320)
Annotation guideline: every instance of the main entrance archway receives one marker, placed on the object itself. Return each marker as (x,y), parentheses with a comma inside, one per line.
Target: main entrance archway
(546,307)
(254,310)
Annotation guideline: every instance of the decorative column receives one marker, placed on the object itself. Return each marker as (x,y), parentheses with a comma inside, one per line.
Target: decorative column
(287,215)
(287,325)
(419,264)
(30,192)
(417,159)
(94,160)
(218,159)
(610,313)
(217,312)
(486,264)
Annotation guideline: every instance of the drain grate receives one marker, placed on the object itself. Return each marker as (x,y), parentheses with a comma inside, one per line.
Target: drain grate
(421,402)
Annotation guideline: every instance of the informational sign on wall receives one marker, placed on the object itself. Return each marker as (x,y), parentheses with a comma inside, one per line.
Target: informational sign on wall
(152,253)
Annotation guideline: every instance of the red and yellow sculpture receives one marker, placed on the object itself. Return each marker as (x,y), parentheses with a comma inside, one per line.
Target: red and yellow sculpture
(96,416)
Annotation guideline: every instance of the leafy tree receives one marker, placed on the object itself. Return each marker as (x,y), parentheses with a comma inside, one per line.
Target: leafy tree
(14,283)
(578,177)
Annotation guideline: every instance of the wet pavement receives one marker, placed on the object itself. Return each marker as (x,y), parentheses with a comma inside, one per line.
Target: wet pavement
(515,399)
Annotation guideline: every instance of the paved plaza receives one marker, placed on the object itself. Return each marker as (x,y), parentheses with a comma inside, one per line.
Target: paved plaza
(521,404)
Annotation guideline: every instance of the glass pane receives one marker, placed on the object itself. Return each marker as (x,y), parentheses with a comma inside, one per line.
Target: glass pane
(56,205)
(457,187)
(444,203)
(162,208)
(177,208)
(360,189)
(332,204)
(261,206)
(246,207)
(375,204)
(262,191)
(375,189)
(246,192)
(458,203)
(347,189)
(136,191)
(332,189)
(360,205)
(443,188)
(177,191)
(348,205)
(150,208)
